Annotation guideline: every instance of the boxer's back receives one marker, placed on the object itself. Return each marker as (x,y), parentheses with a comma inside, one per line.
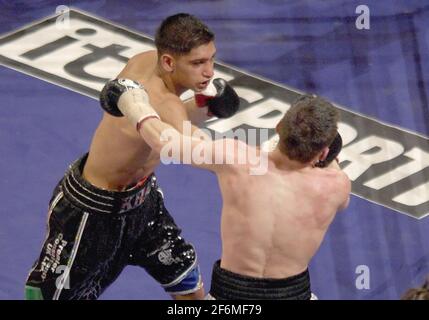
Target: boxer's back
(273,224)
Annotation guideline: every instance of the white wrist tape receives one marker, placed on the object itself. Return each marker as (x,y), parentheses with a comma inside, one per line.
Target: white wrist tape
(134,105)
(148,116)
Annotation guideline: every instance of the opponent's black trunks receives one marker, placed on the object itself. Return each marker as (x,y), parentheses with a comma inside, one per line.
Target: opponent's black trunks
(227,285)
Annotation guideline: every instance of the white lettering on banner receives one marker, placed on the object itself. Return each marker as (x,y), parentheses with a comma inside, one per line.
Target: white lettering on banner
(54,59)
(271,143)
(247,94)
(348,133)
(415,196)
(420,161)
(223,75)
(360,162)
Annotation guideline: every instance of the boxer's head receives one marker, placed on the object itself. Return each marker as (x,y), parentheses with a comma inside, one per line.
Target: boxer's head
(307,129)
(180,33)
(186,51)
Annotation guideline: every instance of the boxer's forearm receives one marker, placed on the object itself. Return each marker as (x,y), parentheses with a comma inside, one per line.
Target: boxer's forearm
(151,130)
(159,135)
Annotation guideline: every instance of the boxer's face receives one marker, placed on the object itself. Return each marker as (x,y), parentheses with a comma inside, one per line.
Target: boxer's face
(195,69)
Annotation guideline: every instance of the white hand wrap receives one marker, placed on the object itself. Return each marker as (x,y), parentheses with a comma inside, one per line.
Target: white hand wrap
(134,105)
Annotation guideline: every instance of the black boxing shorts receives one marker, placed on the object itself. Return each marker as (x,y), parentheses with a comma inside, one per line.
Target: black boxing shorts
(92,234)
(227,285)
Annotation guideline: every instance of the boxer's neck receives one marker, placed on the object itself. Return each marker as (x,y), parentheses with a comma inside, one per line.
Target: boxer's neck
(169,82)
(282,161)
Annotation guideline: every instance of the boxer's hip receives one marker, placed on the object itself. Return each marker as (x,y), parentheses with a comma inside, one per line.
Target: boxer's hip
(93,199)
(232,286)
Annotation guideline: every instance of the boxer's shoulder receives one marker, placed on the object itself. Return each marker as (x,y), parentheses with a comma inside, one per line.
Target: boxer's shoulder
(139,67)
(168,104)
(144,57)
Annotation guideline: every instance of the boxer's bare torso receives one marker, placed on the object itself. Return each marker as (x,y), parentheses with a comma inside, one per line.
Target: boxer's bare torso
(272,224)
(118,156)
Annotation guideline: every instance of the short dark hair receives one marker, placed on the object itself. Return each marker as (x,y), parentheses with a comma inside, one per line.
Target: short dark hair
(307,127)
(180,33)
(420,293)
(416,294)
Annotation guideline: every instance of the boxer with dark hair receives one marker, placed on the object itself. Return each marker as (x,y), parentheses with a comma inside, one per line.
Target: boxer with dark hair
(108,211)
(272,224)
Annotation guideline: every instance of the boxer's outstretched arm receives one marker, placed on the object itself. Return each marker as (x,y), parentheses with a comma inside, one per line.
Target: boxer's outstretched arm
(124,97)
(167,141)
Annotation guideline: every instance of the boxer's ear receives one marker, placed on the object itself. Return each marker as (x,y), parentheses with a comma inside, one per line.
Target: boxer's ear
(324,154)
(167,62)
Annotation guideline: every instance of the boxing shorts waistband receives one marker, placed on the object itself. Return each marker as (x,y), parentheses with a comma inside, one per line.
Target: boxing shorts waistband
(227,285)
(92,199)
